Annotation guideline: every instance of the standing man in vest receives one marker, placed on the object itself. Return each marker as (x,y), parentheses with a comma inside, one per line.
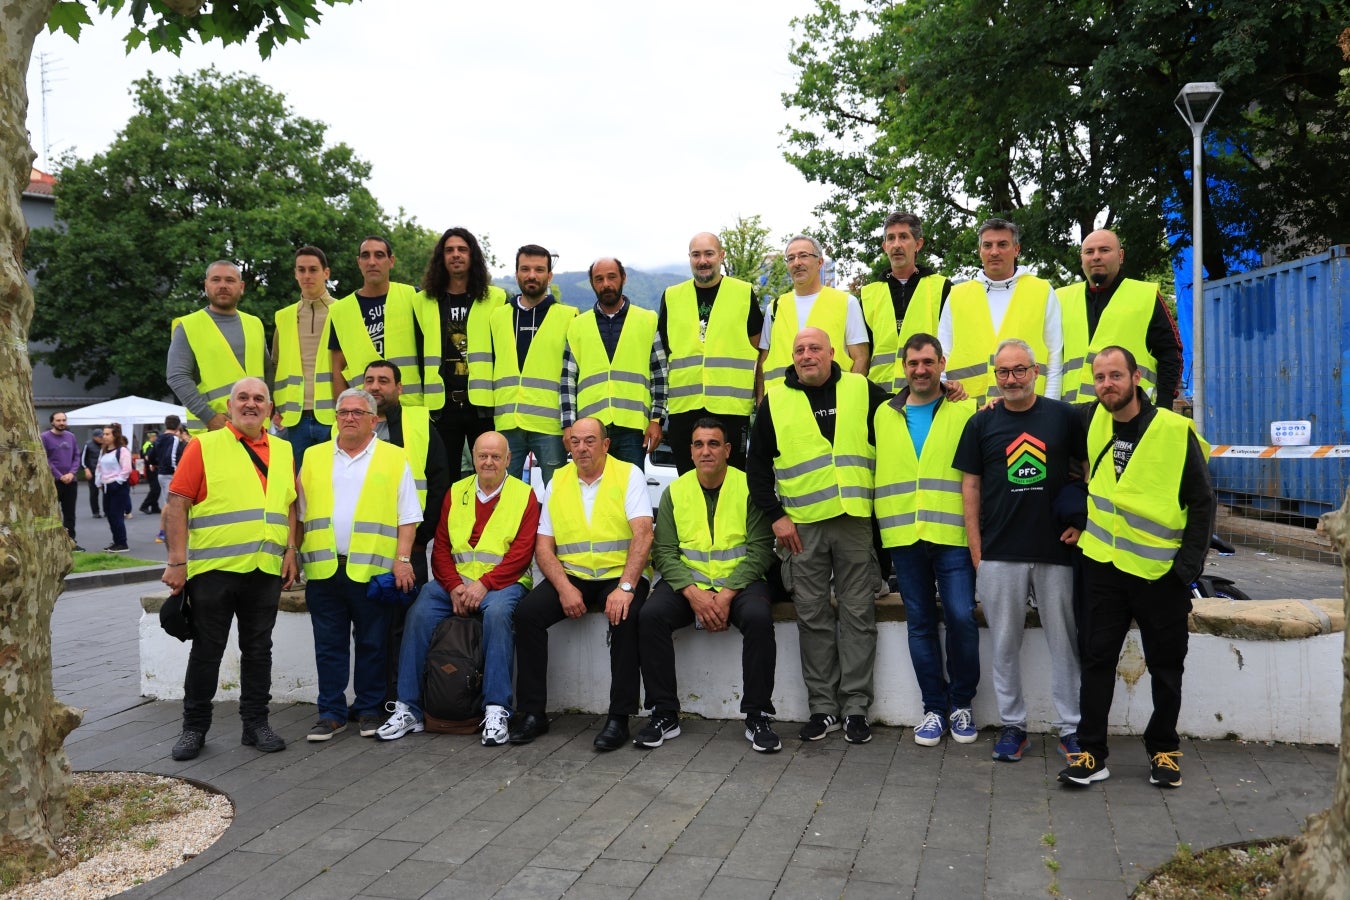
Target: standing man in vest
(810,305)
(1150,517)
(907,301)
(228,526)
(595,533)
(529,339)
(358,511)
(918,507)
(711,326)
(1015,458)
(481,563)
(455,306)
(614,368)
(713,549)
(1003,301)
(303,384)
(379,322)
(63,459)
(1107,309)
(213,348)
(410,427)
(811,458)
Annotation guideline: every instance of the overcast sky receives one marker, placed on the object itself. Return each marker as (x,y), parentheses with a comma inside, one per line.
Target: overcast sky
(613,128)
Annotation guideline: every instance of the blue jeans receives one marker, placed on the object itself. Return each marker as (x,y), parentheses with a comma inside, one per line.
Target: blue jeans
(341,615)
(499,643)
(627,444)
(547,448)
(116,505)
(916,568)
(305,434)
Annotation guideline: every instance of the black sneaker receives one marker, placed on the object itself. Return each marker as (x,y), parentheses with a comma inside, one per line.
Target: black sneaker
(263,737)
(189,745)
(116,548)
(369,724)
(660,728)
(1084,768)
(820,725)
(856,730)
(1164,771)
(761,735)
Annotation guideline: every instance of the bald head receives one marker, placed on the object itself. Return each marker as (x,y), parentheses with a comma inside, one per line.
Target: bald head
(1102,257)
(491,456)
(812,356)
(250,406)
(705,258)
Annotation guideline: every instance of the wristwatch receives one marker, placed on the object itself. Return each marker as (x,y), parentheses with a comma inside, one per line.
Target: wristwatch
(406,559)
(626,586)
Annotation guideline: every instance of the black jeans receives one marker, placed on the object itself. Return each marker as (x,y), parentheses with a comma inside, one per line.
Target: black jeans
(680,429)
(67,493)
(151,502)
(94,493)
(666,611)
(1161,608)
(217,597)
(459,426)
(540,610)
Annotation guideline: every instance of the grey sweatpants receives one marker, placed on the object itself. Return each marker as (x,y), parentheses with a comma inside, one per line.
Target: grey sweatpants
(838,651)
(1004,589)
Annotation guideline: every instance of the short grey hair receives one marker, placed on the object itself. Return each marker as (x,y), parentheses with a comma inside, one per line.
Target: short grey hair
(1020,345)
(225,262)
(997,224)
(366,397)
(908,219)
(805,237)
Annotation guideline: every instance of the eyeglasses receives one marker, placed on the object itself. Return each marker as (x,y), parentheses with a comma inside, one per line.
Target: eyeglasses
(352,413)
(1018,372)
(803,257)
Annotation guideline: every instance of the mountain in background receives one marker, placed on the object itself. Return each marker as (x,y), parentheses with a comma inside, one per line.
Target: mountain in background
(643,288)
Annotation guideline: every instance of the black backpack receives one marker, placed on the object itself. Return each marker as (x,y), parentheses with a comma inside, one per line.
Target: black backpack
(452,681)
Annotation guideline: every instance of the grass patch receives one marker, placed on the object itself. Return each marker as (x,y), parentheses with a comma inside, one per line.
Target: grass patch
(1236,870)
(85,561)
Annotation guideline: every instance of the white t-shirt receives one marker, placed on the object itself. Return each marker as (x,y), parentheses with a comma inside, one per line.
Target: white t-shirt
(855,327)
(636,503)
(349,474)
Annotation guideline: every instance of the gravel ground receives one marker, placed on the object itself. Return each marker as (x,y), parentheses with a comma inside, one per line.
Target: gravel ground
(127,863)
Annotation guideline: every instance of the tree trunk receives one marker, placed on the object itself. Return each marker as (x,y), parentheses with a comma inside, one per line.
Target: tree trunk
(34,548)
(1318,863)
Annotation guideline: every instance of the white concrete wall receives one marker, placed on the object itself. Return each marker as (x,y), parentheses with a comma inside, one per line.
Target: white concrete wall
(1255,690)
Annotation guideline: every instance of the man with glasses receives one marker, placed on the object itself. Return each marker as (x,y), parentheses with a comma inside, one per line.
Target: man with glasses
(810,305)
(1016,458)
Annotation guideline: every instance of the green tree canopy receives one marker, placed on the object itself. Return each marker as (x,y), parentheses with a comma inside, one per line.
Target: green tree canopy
(750,255)
(1061,117)
(209,167)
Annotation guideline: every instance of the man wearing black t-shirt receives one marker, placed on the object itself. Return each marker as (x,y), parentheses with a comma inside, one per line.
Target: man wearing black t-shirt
(1016,457)
(376,322)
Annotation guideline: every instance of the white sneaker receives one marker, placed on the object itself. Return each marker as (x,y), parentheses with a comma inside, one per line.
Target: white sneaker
(400,723)
(494,725)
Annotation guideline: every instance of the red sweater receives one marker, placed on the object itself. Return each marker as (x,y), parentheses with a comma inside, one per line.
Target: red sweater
(516,562)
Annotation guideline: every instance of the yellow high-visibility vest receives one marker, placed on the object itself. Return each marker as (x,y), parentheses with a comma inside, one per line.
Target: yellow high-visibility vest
(817,481)
(918,496)
(500,530)
(829,313)
(970,359)
(374,537)
(714,371)
(1124,323)
(239,527)
(887,369)
(477,354)
(597,549)
(619,391)
(400,344)
(526,396)
(712,555)
(288,382)
(217,367)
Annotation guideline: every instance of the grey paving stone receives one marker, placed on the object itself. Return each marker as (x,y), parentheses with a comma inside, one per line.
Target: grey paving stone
(660,824)
(804,882)
(1079,888)
(333,886)
(581,890)
(678,877)
(510,801)
(950,873)
(540,825)
(376,856)
(458,843)
(491,866)
(762,853)
(281,879)
(533,882)
(411,878)
(702,839)
(725,887)
(299,829)
(617,872)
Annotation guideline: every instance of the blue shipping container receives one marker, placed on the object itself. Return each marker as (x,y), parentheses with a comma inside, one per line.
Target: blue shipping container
(1277,343)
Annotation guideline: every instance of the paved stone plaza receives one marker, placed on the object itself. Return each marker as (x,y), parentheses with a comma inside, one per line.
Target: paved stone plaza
(704,816)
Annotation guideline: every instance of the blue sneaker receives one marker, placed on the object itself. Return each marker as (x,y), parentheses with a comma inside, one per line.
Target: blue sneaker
(963,725)
(1010,744)
(1068,745)
(928,733)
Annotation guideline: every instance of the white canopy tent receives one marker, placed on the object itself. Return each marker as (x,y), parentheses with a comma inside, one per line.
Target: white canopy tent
(126,411)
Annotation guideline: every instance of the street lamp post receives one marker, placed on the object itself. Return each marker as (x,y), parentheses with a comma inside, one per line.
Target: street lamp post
(1196,104)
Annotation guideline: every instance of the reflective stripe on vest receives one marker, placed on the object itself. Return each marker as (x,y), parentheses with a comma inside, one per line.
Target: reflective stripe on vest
(919,497)
(617,392)
(711,555)
(829,313)
(374,535)
(1124,323)
(717,371)
(400,347)
(238,527)
(816,481)
(501,528)
(970,358)
(217,367)
(288,382)
(596,549)
(416,443)
(887,368)
(528,399)
(1136,523)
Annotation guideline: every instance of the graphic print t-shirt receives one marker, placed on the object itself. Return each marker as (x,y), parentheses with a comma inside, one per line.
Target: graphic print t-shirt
(1022,459)
(455,342)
